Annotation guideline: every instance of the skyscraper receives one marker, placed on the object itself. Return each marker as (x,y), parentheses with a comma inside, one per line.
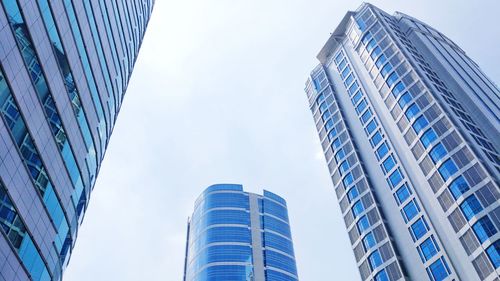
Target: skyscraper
(236,235)
(64,69)
(409,125)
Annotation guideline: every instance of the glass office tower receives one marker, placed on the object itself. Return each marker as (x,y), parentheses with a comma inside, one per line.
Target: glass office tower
(64,68)
(409,125)
(239,236)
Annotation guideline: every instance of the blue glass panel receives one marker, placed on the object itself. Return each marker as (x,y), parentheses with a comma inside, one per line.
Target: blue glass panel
(458,187)
(370,127)
(471,207)
(395,178)
(420,124)
(363,224)
(272,275)
(419,229)
(369,241)
(428,137)
(439,270)
(357,208)
(375,259)
(275,209)
(386,69)
(392,79)
(493,252)
(484,229)
(382,150)
(276,225)
(382,276)
(375,140)
(366,116)
(357,97)
(438,152)
(277,260)
(380,61)
(348,179)
(412,111)
(428,249)
(377,51)
(404,99)
(278,242)
(448,169)
(388,164)
(403,193)
(398,89)
(411,210)
(352,193)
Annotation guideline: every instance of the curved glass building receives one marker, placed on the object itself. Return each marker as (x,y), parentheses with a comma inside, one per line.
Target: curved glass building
(409,126)
(64,69)
(239,236)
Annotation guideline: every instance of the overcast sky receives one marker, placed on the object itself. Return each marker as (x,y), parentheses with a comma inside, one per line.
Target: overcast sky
(217,97)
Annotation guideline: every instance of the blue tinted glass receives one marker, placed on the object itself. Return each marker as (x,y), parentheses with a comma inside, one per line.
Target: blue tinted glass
(382,150)
(332,134)
(352,193)
(272,275)
(276,225)
(403,193)
(388,164)
(348,179)
(358,208)
(320,98)
(323,107)
(366,116)
(363,224)
(493,252)
(386,69)
(438,152)
(354,87)
(277,260)
(375,140)
(439,270)
(340,155)
(278,242)
(395,178)
(329,125)
(412,111)
(275,209)
(375,259)
(344,167)
(400,86)
(342,64)
(458,187)
(339,56)
(345,72)
(382,276)
(380,61)
(336,144)
(392,79)
(375,53)
(448,169)
(428,249)
(484,229)
(428,137)
(367,37)
(361,106)
(369,241)
(404,100)
(356,97)
(349,80)
(371,45)
(420,124)
(371,126)
(326,115)
(419,228)
(471,207)
(411,210)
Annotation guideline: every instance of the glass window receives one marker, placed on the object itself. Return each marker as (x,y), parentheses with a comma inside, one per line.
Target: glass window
(371,45)
(336,143)
(375,140)
(458,187)
(369,241)
(403,193)
(471,207)
(484,229)
(404,99)
(339,56)
(356,97)
(344,167)
(493,252)
(382,150)
(412,111)
(363,224)
(420,124)
(361,106)
(323,107)
(428,137)
(342,64)
(358,208)
(448,169)
(389,163)
(329,125)
(367,37)
(375,259)
(375,53)
(320,98)
(348,179)
(345,72)
(382,276)
(438,152)
(361,24)
(371,126)
(349,80)
(392,79)
(332,134)
(380,61)
(326,115)
(438,270)
(398,89)
(419,229)
(428,249)
(395,178)
(411,210)
(352,193)
(366,116)
(386,69)
(340,155)
(354,87)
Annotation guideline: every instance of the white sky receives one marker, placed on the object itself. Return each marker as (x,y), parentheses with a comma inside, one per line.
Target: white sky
(217,97)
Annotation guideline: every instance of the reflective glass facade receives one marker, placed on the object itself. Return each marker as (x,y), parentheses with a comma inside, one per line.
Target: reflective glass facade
(409,128)
(236,235)
(64,68)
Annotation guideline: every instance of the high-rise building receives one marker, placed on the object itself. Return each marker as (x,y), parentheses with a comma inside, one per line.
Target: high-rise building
(409,125)
(64,69)
(239,236)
